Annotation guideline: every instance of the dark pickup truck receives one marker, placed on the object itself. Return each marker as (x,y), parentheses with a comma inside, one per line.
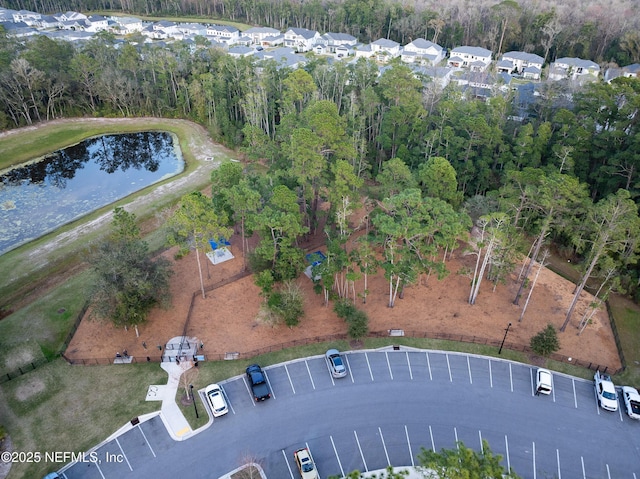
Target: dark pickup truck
(258,383)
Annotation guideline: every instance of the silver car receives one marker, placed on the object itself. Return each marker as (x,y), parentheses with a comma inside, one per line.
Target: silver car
(335,363)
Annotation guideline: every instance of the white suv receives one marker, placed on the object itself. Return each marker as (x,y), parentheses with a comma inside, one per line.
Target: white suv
(216,400)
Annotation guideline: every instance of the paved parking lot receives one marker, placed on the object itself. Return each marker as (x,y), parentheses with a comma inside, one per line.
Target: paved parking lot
(391,405)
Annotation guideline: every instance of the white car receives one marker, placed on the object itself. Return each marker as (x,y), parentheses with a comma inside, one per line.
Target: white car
(335,363)
(605,391)
(631,401)
(216,399)
(543,381)
(305,464)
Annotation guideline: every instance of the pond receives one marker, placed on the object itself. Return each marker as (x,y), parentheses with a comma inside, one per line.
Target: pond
(39,197)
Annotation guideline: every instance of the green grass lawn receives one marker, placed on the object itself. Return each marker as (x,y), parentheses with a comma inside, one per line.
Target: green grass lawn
(59,407)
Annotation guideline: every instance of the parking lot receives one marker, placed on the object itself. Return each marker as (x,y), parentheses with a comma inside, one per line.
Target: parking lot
(391,404)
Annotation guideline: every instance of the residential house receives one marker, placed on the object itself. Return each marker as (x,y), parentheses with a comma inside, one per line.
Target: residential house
(423,51)
(300,39)
(629,71)
(48,21)
(333,40)
(522,60)
(223,33)
(192,29)
(284,57)
(573,69)
(238,51)
(385,49)
(532,73)
(129,24)
(363,51)
(96,23)
(26,16)
(71,16)
(18,29)
(272,40)
(473,58)
(166,29)
(6,15)
(440,76)
(257,34)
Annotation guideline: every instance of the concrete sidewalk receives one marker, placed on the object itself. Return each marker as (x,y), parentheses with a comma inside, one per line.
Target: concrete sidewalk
(170,413)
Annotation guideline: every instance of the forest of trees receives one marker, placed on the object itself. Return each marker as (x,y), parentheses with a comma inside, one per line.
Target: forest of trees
(427,162)
(591,29)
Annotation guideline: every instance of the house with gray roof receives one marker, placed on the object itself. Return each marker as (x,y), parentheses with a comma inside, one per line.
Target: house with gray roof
(26,16)
(18,29)
(472,58)
(573,69)
(629,71)
(238,51)
(300,39)
(333,40)
(223,33)
(257,34)
(423,51)
(524,59)
(129,24)
(96,23)
(284,57)
(385,49)
(48,21)
(6,15)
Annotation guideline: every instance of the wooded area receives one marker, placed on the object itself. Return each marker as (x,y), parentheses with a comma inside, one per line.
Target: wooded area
(339,133)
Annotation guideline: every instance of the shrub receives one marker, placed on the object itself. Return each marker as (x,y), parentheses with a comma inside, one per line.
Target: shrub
(546,341)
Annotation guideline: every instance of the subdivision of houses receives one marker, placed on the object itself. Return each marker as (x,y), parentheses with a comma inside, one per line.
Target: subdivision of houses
(574,69)
(472,58)
(423,51)
(301,39)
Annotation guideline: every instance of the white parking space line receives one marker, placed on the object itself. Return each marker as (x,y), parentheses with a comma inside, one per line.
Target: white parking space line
(406,432)
(534,460)
(533,387)
(361,455)
(553,389)
(608,473)
(575,398)
(350,371)
(620,412)
(634,476)
(481,445)
(429,366)
(253,400)
(226,396)
(449,367)
(124,455)
(310,377)
(368,365)
(455,433)
(337,457)
(506,444)
(584,474)
(269,383)
(287,463)
(595,395)
(409,364)
(469,368)
(433,444)
(290,381)
(490,375)
(145,440)
(99,470)
(388,364)
(511,377)
(558,459)
(384,446)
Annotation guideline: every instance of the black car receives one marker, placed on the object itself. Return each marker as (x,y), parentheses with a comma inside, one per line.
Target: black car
(258,383)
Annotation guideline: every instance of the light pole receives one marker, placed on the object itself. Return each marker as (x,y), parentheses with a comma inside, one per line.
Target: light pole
(194,399)
(506,331)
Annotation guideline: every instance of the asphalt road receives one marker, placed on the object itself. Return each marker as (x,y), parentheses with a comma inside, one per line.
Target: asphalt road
(390,405)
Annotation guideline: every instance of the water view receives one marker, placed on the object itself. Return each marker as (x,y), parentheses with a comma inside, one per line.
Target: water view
(39,197)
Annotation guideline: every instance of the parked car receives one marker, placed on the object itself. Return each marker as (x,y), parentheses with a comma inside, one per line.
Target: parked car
(543,381)
(631,401)
(258,383)
(216,399)
(335,363)
(305,464)
(605,391)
